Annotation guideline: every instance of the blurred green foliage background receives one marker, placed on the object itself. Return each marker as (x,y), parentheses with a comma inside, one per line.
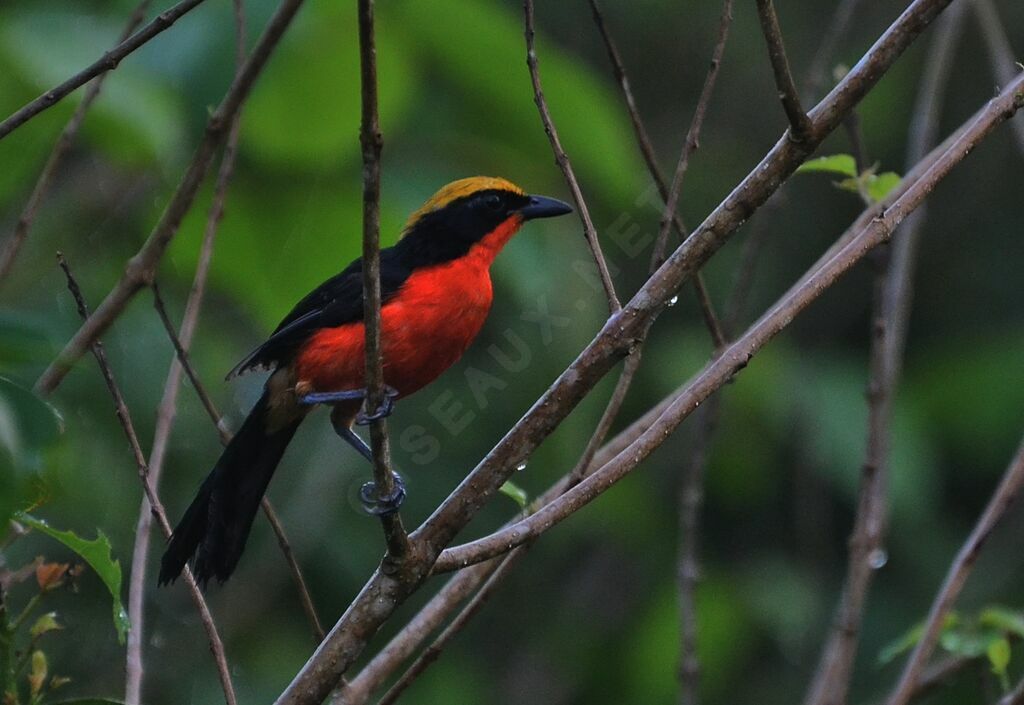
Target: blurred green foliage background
(590,616)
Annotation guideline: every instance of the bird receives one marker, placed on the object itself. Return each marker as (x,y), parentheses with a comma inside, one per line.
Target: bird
(435,296)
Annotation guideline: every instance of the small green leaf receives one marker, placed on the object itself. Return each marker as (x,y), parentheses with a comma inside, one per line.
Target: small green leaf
(969,642)
(46,623)
(879,186)
(97,553)
(909,639)
(1004,619)
(998,653)
(842,164)
(517,493)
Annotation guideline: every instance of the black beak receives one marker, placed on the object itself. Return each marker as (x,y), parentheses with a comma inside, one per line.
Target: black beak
(544,207)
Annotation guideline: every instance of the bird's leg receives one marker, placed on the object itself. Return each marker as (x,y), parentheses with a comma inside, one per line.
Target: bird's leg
(386,407)
(372,502)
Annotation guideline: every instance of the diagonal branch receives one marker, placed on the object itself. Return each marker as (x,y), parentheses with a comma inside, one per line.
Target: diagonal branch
(893,298)
(1005,494)
(1000,53)
(369,136)
(60,149)
(107,62)
(141,269)
(384,591)
(305,598)
(123,415)
(799,122)
(562,159)
(647,151)
(885,218)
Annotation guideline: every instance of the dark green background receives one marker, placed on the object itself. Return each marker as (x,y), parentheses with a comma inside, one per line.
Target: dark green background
(590,616)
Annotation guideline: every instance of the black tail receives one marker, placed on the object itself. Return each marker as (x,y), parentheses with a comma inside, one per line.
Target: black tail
(217,523)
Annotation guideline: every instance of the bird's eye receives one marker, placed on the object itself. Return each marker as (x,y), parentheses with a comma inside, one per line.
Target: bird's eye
(493,201)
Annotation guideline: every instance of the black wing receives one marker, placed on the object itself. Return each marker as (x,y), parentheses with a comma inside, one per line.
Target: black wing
(337,301)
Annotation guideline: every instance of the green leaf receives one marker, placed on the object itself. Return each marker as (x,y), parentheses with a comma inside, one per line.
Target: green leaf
(517,493)
(97,553)
(879,186)
(909,639)
(45,623)
(1004,619)
(969,642)
(998,653)
(841,164)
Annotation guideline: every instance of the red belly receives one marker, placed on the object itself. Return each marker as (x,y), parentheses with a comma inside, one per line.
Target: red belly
(425,329)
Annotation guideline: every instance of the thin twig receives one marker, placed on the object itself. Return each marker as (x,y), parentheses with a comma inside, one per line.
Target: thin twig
(562,159)
(799,123)
(57,154)
(384,592)
(107,62)
(141,269)
(370,138)
(893,292)
(1004,495)
(837,27)
(432,652)
(124,416)
(647,151)
(1004,60)
(225,436)
(692,142)
(885,218)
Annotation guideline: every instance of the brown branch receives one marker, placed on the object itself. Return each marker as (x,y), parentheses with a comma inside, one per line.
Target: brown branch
(384,591)
(879,229)
(692,142)
(837,27)
(1002,498)
(225,436)
(404,644)
(141,269)
(432,652)
(57,154)
(370,138)
(893,293)
(107,62)
(647,151)
(799,123)
(562,159)
(124,416)
(1000,53)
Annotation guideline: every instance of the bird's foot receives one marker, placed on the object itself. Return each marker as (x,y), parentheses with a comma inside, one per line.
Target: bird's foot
(363,418)
(387,405)
(386,505)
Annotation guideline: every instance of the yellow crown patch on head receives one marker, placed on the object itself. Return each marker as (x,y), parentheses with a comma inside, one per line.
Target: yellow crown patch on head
(459,189)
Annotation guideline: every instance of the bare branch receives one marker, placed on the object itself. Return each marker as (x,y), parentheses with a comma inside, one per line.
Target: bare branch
(647,151)
(892,309)
(880,227)
(415,632)
(431,653)
(562,159)
(60,149)
(107,62)
(837,27)
(1000,53)
(225,436)
(1002,498)
(124,416)
(384,591)
(141,269)
(799,123)
(692,141)
(369,136)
